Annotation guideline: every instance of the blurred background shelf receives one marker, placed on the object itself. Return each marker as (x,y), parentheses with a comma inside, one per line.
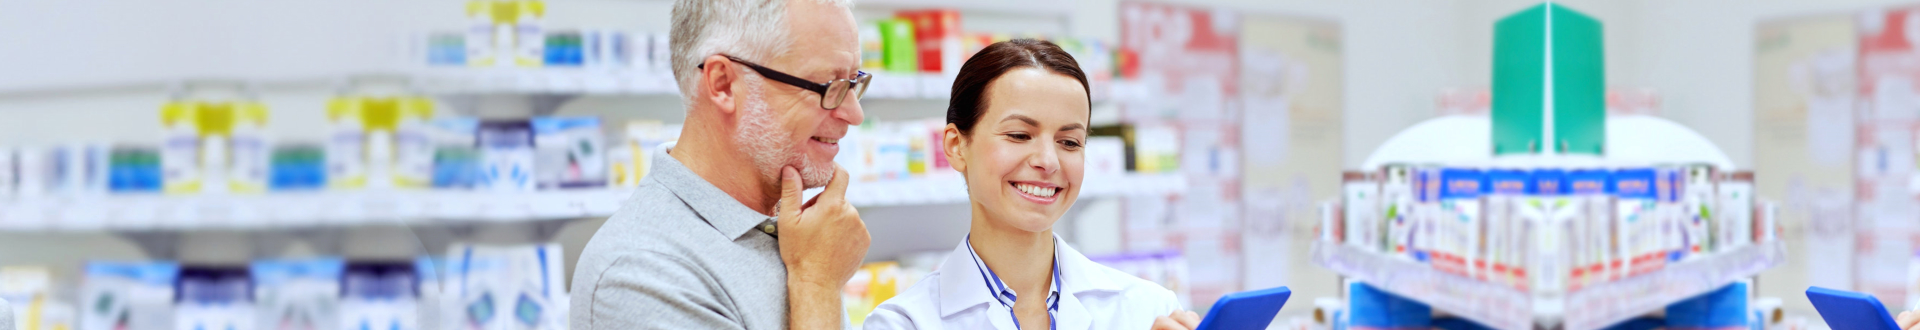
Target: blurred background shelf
(429,207)
(1494,305)
(1592,307)
(1610,303)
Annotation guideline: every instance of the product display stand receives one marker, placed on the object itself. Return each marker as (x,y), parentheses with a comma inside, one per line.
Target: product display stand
(1560,222)
(1503,307)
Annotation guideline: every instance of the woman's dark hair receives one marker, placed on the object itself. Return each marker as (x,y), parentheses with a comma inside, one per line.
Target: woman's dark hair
(969,100)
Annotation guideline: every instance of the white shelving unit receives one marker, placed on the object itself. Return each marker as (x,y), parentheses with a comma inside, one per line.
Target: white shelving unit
(349,208)
(600,81)
(1504,307)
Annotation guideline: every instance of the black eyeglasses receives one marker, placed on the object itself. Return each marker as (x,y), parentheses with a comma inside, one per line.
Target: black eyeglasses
(832,93)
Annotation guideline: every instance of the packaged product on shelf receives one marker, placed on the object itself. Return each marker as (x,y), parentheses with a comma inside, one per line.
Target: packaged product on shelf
(180,147)
(1461,222)
(7,174)
(1735,212)
(1360,200)
(564,49)
(297,294)
(900,53)
(29,292)
(1600,249)
(380,295)
(1766,222)
(214,298)
(1396,209)
(1671,214)
(346,140)
(31,172)
(872,53)
(1106,157)
(1549,235)
(77,169)
(397,148)
(134,169)
(446,49)
(873,284)
(247,137)
(128,295)
(660,55)
(918,148)
(1156,148)
(1426,214)
(569,152)
(1637,218)
(641,140)
(505,287)
(892,151)
(297,167)
(857,154)
(528,27)
(480,37)
(937,39)
(1697,204)
(1332,226)
(507,155)
(456,161)
(428,269)
(1504,227)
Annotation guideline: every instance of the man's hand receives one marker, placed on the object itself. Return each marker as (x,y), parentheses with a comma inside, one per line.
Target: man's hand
(822,243)
(1179,320)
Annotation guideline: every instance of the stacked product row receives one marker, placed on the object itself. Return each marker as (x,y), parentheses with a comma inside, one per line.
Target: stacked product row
(514,33)
(474,287)
(219,147)
(1547,229)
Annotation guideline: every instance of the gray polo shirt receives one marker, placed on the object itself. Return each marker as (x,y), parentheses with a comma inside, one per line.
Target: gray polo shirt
(680,254)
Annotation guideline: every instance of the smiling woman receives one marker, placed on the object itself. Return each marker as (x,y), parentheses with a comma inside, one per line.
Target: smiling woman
(1016,126)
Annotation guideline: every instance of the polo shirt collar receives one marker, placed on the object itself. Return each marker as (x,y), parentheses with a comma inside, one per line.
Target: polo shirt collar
(719,209)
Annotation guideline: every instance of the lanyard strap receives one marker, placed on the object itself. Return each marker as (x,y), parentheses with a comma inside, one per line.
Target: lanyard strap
(1006,297)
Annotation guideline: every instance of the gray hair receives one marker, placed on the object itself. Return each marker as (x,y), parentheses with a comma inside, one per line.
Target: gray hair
(752,30)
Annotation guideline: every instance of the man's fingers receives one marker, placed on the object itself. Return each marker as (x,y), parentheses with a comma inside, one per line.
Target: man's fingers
(837,188)
(1188,319)
(790,194)
(1908,319)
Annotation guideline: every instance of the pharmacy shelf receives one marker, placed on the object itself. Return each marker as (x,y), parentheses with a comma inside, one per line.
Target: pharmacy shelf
(1060,9)
(1611,303)
(601,81)
(1493,305)
(297,210)
(429,207)
(1593,307)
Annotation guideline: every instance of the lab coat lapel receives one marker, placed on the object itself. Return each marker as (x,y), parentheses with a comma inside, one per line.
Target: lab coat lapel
(1072,314)
(961,286)
(1078,275)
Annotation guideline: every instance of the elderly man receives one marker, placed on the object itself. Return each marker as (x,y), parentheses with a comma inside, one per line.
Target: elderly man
(717,236)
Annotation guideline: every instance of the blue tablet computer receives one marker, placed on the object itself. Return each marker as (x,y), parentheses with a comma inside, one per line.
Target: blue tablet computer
(1847,310)
(1246,309)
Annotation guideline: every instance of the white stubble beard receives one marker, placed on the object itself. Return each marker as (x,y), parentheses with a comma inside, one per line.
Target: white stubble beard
(768,144)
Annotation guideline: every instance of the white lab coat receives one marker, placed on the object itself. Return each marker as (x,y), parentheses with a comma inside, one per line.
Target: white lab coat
(1092,297)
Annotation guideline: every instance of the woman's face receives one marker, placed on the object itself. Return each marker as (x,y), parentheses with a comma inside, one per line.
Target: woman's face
(1023,159)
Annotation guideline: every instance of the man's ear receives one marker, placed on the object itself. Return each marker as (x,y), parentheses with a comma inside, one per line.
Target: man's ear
(954,144)
(717,78)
